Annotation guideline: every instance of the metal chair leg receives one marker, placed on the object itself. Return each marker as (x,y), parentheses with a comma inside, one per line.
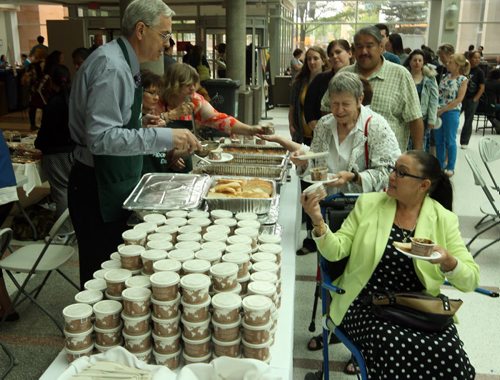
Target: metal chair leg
(486,246)
(480,233)
(12,361)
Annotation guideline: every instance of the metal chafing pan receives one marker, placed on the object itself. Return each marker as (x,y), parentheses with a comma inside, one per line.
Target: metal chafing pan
(271,172)
(167,191)
(250,159)
(254,150)
(256,205)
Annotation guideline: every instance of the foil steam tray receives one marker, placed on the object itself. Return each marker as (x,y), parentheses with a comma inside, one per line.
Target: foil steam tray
(273,172)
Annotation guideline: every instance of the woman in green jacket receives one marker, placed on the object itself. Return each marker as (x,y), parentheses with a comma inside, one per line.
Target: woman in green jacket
(417,203)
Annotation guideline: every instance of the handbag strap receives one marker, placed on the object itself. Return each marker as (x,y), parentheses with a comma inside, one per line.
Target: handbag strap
(366,141)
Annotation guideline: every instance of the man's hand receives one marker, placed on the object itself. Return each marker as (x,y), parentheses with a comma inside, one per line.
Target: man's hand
(184,140)
(150,120)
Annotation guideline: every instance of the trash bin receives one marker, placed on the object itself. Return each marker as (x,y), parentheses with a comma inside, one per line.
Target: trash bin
(245,106)
(223,94)
(257,103)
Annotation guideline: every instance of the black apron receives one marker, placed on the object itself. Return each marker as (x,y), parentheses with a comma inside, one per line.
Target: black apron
(118,175)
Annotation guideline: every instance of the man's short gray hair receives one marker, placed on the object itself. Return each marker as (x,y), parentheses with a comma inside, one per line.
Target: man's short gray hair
(147,11)
(346,82)
(370,31)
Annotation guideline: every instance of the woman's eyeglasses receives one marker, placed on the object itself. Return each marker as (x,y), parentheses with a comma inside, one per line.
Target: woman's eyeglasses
(401,174)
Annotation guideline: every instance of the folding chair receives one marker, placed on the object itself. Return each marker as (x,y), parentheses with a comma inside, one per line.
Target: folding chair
(37,259)
(485,109)
(490,209)
(489,150)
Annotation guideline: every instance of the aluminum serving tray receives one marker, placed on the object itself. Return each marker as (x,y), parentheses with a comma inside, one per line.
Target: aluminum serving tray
(273,172)
(167,191)
(252,159)
(256,205)
(249,150)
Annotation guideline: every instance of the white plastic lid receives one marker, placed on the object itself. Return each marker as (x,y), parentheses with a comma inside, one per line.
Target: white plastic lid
(160,236)
(176,214)
(198,214)
(154,254)
(262,287)
(159,244)
(117,275)
(208,254)
(217,245)
(269,238)
(95,284)
(77,311)
(249,223)
(236,257)
(190,245)
(167,265)
(245,249)
(111,264)
(264,276)
(215,236)
(131,250)
(178,222)
(221,214)
(146,227)
(236,290)
(226,344)
(226,301)
(108,307)
(167,229)
(313,188)
(100,273)
(226,325)
(115,256)
(186,305)
(219,228)
(194,281)
(136,294)
(245,278)
(190,229)
(248,231)
(271,248)
(157,219)
(264,256)
(260,345)
(133,234)
(89,296)
(224,269)
(246,216)
(266,266)
(203,222)
(230,222)
(196,266)
(257,302)
(189,237)
(181,254)
(240,239)
(267,326)
(164,279)
(138,282)
(175,301)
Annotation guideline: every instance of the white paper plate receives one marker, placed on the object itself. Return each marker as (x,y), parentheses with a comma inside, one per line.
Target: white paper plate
(331,178)
(225,157)
(433,256)
(310,155)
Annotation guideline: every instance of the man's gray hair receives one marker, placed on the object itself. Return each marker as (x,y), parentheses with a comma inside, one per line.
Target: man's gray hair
(346,82)
(147,11)
(370,31)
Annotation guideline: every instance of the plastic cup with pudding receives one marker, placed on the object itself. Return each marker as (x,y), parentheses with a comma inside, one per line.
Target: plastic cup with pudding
(176,214)
(115,256)
(73,355)
(159,236)
(101,349)
(213,256)
(189,245)
(266,238)
(224,276)
(147,227)
(220,214)
(167,265)
(317,189)
(263,256)
(227,332)
(167,344)
(215,236)
(319,173)
(257,309)
(131,256)
(107,314)
(155,218)
(181,255)
(240,239)
(215,154)
(90,297)
(214,245)
(165,285)
(160,244)
(266,266)
(166,327)
(263,288)
(136,301)
(166,309)
(230,349)
(195,313)
(198,214)
(264,276)
(230,222)
(144,356)
(77,317)
(108,337)
(195,330)
(134,237)
(192,360)
(256,351)
(235,290)
(189,237)
(246,216)
(171,361)
(422,246)
(96,284)
(219,229)
(111,264)
(136,325)
(197,347)
(202,222)
(240,258)
(249,223)
(171,229)
(174,222)
(100,273)
(196,266)
(226,308)
(190,229)
(273,248)
(257,334)
(195,288)
(113,298)
(137,343)
(140,281)
(248,231)
(115,281)
(244,284)
(149,256)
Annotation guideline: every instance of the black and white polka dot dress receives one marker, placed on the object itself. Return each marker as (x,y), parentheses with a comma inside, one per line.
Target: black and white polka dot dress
(395,352)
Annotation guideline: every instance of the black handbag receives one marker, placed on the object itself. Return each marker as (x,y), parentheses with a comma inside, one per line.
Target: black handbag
(418,311)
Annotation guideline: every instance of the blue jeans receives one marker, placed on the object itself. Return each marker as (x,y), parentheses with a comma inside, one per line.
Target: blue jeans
(446,137)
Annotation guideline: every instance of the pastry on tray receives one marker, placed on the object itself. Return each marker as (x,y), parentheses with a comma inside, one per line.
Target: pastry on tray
(240,188)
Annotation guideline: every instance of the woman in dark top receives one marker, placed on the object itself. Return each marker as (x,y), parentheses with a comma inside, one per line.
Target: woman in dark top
(492,92)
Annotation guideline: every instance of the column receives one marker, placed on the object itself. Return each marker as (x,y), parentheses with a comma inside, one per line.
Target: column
(434,30)
(236,43)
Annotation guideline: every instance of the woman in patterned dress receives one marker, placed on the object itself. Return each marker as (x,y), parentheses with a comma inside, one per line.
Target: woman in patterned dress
(417,203)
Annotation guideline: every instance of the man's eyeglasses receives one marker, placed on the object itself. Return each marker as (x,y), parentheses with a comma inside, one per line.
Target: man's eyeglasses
(400,173)
(164,36)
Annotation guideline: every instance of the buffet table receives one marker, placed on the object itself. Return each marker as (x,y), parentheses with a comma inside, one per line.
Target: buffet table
(282,349)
